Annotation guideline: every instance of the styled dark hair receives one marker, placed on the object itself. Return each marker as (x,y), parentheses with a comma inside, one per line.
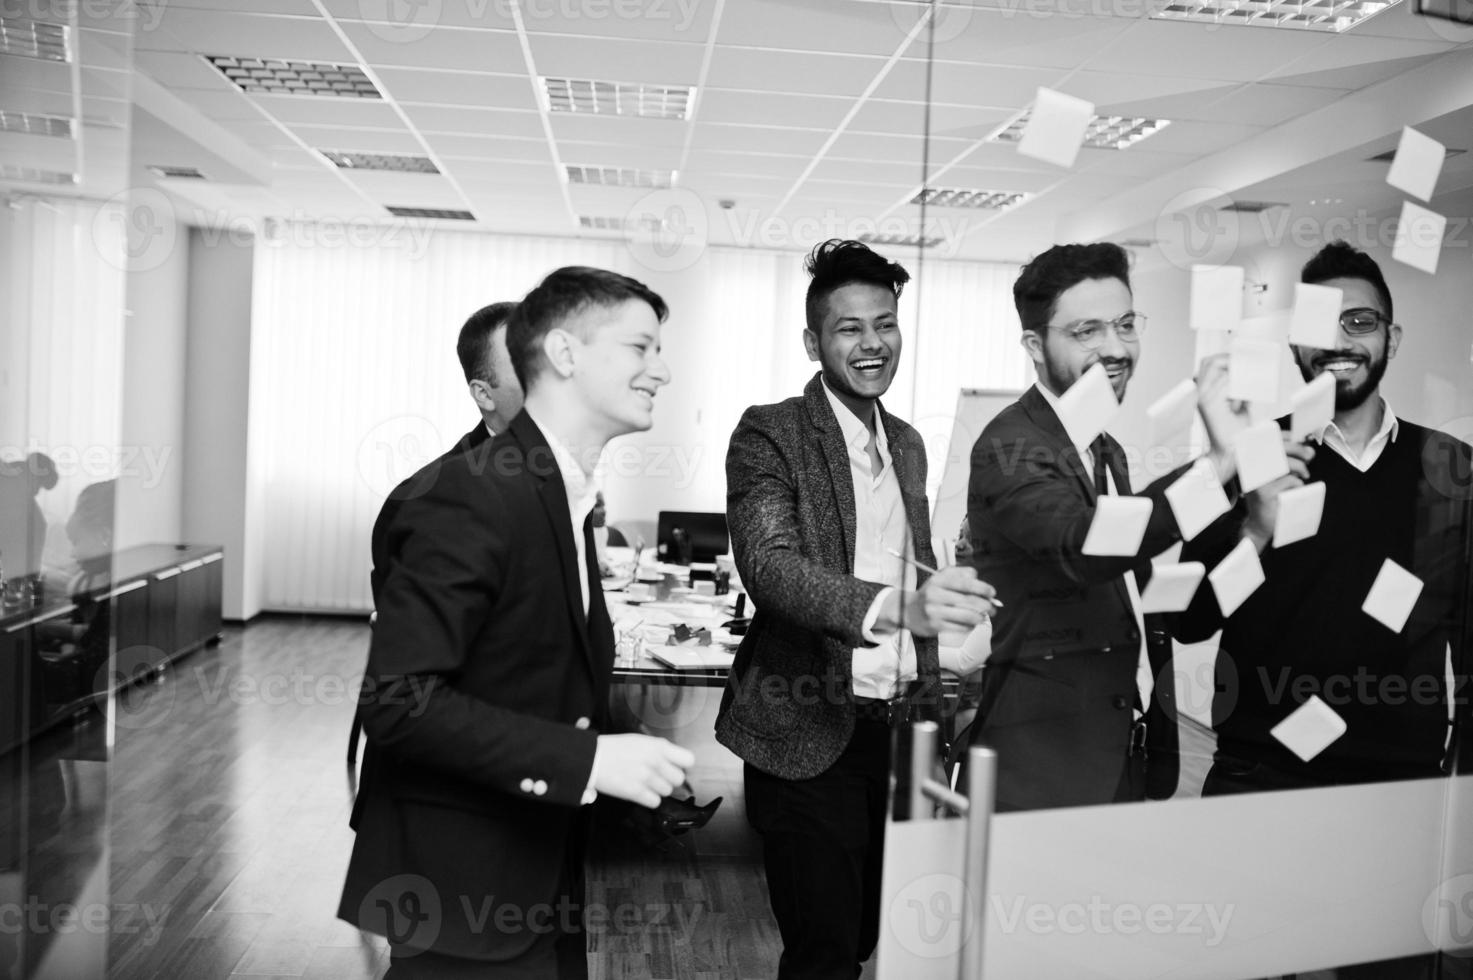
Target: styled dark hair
(838,262)
(1339,260)
(1050,274)
(474,345)
(563,295)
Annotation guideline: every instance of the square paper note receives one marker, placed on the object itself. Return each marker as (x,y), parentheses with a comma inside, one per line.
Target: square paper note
(1313,406)
(1416,166)
(1088,406)
(1171,587)
(1260,454)
(1236,577)
(1311,729)
(1056,127)
(1173,412)
(1419,237)
(1253,370)
(1392,596)
(1316,319)
(1217,297)
(1196,499)
(1119,525)
(1300,510)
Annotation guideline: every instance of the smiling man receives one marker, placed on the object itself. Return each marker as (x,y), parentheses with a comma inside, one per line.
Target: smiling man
(1065,692)
(821,489)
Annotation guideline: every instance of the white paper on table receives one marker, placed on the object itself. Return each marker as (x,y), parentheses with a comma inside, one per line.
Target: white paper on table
(1417,163)
(1300,511)
(1171,587)
(1310,729)
(1419,237)
(1056,127)
(1119,525)
(1313,406)
(1392,596)
(1196,499)
(1173,412)
(1088,406)
(1236,577)
(1253,370)
(1217,297)
(1316,319)
(970,654)
(1259,450)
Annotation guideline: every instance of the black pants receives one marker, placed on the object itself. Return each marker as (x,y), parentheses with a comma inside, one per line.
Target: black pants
(823,842)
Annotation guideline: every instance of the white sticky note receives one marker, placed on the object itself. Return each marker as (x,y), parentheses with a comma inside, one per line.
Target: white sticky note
(1056,127)
(1217,297)
(1300,510)
(1196,499)
(1392,596)
(1419,237)
(1316,320)
(1417,163)
(1236,577)
(1171,587)
(1310,729)
(1173,412)
(1119,525)
(1088,406)
(1313,406)
(1259,450)
(1253,370)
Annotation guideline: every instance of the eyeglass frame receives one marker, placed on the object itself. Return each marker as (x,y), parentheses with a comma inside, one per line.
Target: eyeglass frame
(1382,320)
(1137,325)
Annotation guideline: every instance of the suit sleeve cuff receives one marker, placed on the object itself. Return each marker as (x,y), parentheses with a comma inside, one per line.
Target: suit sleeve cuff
(868,630)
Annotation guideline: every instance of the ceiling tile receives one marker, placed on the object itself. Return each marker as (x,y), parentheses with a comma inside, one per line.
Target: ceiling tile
(356,113)
(907,173)
(489,147)
(459,88)
(474,122)
(607,155)
(1204,51)
(246,35)
(616,129)
(867,28)
(970,34)
(364,140)
(969,85)
(173,69)
(1351,51)
(498,51)
(783,71)
(724,106)
(227,105)
(618,61)
(758,139)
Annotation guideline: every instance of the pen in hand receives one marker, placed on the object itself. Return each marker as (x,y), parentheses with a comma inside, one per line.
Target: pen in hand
(927,568)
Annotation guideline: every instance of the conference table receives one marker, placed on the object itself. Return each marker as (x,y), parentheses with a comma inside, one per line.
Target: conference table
(668,629)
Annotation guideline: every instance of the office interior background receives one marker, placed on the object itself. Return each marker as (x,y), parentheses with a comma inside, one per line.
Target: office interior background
(237,296)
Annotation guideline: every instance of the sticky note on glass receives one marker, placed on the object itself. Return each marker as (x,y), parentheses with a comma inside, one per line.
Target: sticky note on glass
(1253,370)
(1119,525)
(1171,587)
(1310,729)
(1313,406)
(1259,450)
(1417,163)
(1217,297)
(1196,499)
(1173,412)
(1392,596)
(1419,237)
(1056,127)
(1316,319)
(1236,577)
(1088,406)
(1300,510)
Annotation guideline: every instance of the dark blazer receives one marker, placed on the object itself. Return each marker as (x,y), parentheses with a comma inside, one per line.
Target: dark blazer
(485,687)
(788,707)
(1059,689)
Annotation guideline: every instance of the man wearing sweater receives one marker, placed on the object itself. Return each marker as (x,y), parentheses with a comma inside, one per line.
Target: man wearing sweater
(1393,490)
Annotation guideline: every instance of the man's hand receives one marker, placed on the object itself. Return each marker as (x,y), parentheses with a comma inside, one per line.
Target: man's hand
(952,598)
(639,768)
(1224,418)
(1263,503)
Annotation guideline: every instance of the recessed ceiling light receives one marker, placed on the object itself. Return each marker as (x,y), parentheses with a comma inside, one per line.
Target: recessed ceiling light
(1136,242)
(1103,132)
(35,39)
(956,197)
(609,223)
(619,176)
(273,76)
(1333,16)
(1252,207)
(404,163)
(902,241)
(184,173)
(593,97)
(34,125)
(444,214)
(32,175)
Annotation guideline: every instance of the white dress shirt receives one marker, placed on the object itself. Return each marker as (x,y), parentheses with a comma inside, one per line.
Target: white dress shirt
(1333,437)
(881,671)
(582,494)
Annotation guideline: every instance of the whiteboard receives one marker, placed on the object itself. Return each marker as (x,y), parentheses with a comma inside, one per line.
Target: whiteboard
(975,407)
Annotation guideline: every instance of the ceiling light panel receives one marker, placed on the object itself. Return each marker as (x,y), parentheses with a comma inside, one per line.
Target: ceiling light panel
(902,241)
(178,173)
(619,176)
(591,97)
(271,76)
(443,214)
(32,175)
(958,197)
(402,163)
(34,39)
(34,125)
(1103,132)
(1333,16)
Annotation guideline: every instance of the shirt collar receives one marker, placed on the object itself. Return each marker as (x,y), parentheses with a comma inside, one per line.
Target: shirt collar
(581,489)
(1390,427)
(856,434)
(1053,402)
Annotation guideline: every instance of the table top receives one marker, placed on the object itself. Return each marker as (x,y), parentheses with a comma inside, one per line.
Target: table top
(653,620)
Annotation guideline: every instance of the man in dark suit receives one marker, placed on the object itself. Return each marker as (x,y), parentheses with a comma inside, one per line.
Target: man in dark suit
(820,489)
(1062,695)
(489,667)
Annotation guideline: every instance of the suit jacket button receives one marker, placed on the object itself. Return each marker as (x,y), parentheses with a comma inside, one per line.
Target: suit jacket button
(1119,702)
(582,724)
(539,788)
(526,786)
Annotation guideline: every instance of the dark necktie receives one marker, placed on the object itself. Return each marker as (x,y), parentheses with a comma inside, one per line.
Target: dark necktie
(1100,449)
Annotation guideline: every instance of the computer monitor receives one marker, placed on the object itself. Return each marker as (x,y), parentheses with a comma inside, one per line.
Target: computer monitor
(708,537)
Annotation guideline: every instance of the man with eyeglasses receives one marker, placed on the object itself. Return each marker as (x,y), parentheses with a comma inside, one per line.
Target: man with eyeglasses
(1393,490)
(1066,691)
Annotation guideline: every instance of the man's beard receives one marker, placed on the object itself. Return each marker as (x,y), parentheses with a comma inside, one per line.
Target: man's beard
(1349,395)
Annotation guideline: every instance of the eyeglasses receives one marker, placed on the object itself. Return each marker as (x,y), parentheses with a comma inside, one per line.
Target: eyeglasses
(1090,334)
(1363,321)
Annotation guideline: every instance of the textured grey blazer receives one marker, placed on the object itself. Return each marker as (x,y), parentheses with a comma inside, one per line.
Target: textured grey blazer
(788,708)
